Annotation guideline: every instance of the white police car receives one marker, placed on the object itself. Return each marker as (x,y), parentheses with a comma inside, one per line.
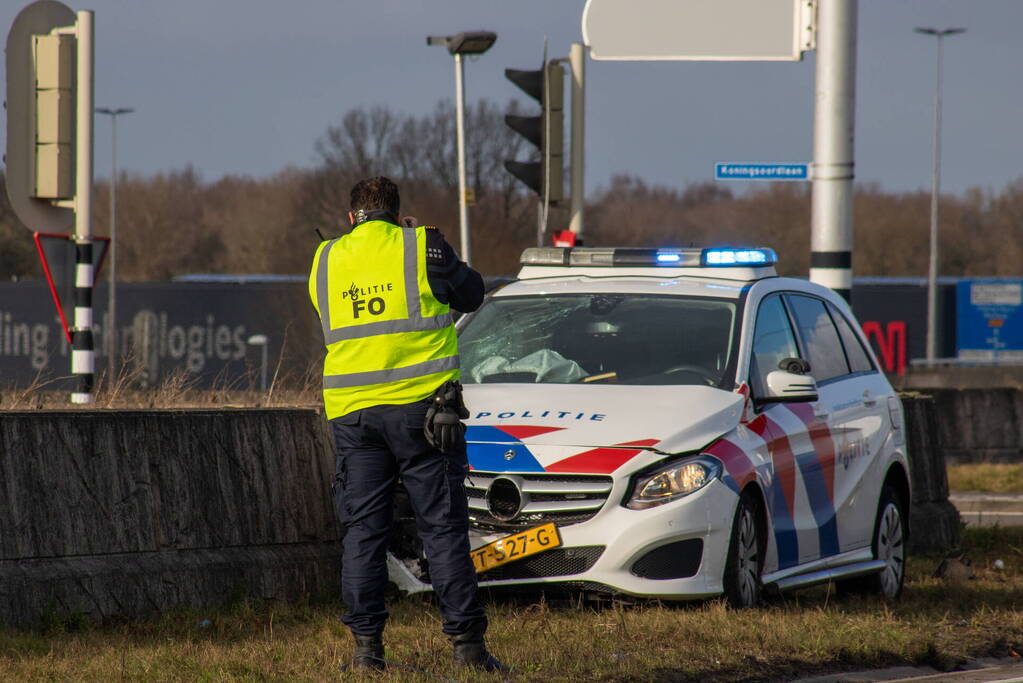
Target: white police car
(679,423)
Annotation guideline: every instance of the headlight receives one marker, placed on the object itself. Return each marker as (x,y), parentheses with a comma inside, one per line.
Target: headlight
(678,479)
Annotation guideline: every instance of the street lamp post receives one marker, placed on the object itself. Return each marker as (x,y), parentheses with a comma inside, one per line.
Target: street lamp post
(111,294)
(261,340)
(932,269)
(466,43)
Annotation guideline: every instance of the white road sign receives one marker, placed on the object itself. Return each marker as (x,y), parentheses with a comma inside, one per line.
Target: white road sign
(699,30)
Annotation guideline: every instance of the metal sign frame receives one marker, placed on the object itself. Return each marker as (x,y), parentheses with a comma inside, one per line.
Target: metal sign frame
(39,18)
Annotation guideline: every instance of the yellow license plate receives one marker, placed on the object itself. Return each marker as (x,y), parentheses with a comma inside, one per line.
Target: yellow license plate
(516,546)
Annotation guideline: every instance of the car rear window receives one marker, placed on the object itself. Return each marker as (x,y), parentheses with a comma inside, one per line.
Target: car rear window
(602,338)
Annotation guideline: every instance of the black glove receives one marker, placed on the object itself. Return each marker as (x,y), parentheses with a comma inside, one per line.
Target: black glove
(443,427)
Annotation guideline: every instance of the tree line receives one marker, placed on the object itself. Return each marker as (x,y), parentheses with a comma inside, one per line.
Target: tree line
(177,222)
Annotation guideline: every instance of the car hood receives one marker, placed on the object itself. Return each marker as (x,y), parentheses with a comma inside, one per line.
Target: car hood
(593,429)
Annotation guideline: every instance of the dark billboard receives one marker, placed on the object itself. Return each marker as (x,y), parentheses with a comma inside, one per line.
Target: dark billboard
(201,331)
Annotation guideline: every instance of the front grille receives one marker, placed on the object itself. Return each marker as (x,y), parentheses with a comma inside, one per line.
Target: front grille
(560,498)
(504,499)
(678,560)
(556,562)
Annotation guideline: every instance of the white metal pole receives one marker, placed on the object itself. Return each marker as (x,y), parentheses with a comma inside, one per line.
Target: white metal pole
(831,237)
(932,266)
(463,210)
(577,59)
(83,355)
(112,293)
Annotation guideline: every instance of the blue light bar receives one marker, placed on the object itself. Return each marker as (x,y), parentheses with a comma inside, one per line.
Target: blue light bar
(668,257)
(739,257)
(641,257)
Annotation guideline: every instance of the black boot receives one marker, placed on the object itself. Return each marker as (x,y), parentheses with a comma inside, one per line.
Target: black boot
(369,653)
(471,650)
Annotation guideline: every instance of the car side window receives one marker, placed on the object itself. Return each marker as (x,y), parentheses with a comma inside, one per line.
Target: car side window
(819,337)
(773,340)
(859,359)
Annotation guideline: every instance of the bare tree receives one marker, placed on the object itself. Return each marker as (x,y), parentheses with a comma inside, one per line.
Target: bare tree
(361,143)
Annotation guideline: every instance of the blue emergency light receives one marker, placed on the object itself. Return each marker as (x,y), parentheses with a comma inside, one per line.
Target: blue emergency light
(739,257)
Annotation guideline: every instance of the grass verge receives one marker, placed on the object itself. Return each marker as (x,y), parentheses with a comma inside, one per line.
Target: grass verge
(937,623)
(986,478)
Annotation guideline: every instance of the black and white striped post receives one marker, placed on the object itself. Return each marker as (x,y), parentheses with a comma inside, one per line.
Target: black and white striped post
(83,354)
(831,237)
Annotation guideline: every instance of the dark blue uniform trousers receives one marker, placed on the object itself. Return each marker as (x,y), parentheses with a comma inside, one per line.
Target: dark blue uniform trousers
(374,446)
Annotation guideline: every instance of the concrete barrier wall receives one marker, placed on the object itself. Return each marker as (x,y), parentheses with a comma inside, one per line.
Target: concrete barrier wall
(131,512)
(979,425)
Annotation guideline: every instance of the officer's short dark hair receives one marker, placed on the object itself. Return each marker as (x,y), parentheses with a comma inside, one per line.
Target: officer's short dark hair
(376,194)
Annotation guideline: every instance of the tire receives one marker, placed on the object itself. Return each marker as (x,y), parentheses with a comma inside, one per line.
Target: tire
(745,560)
(888,544)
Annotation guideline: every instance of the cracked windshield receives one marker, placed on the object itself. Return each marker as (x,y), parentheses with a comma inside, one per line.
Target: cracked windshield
(599,338)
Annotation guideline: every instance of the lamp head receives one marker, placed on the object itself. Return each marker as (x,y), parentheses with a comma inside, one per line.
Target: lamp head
(465,43)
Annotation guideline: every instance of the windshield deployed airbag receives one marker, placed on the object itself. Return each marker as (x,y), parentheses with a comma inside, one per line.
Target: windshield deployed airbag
(548,366)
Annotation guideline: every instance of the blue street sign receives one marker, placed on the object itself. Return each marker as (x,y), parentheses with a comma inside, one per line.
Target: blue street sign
(989,320)
(759,171)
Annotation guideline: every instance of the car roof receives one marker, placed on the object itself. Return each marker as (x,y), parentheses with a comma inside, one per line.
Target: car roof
(663,284)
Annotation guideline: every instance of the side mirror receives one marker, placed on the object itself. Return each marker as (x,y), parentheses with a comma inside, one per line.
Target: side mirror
(789,387)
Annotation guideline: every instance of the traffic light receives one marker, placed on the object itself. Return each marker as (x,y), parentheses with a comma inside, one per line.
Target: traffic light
(546,131)
(54,119)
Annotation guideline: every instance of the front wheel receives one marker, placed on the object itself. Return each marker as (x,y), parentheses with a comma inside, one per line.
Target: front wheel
(745,559)
(889,546)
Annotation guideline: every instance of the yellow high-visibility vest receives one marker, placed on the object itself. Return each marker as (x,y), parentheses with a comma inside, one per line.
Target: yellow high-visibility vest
(389,340)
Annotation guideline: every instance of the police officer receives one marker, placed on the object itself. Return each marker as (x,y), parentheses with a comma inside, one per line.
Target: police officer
(390,389)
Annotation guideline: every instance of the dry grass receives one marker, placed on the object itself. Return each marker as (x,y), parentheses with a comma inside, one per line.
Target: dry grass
(986,478)
(936,623)
(177,390)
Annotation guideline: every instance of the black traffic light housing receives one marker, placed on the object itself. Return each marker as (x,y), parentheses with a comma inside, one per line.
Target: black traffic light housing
(546,131)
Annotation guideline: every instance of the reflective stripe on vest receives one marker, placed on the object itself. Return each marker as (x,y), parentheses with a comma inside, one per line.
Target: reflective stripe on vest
(415,321)
(358,379)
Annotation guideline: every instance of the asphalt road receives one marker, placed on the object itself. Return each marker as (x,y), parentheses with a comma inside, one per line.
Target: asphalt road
(979,671)
(988,509)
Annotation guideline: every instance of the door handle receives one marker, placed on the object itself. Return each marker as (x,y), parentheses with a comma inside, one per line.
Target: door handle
(821,412)
(868,398)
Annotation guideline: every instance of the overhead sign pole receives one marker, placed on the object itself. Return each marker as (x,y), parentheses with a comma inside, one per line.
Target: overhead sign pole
(831,231)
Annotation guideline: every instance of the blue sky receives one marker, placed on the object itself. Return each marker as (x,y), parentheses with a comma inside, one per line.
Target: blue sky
(246,87)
